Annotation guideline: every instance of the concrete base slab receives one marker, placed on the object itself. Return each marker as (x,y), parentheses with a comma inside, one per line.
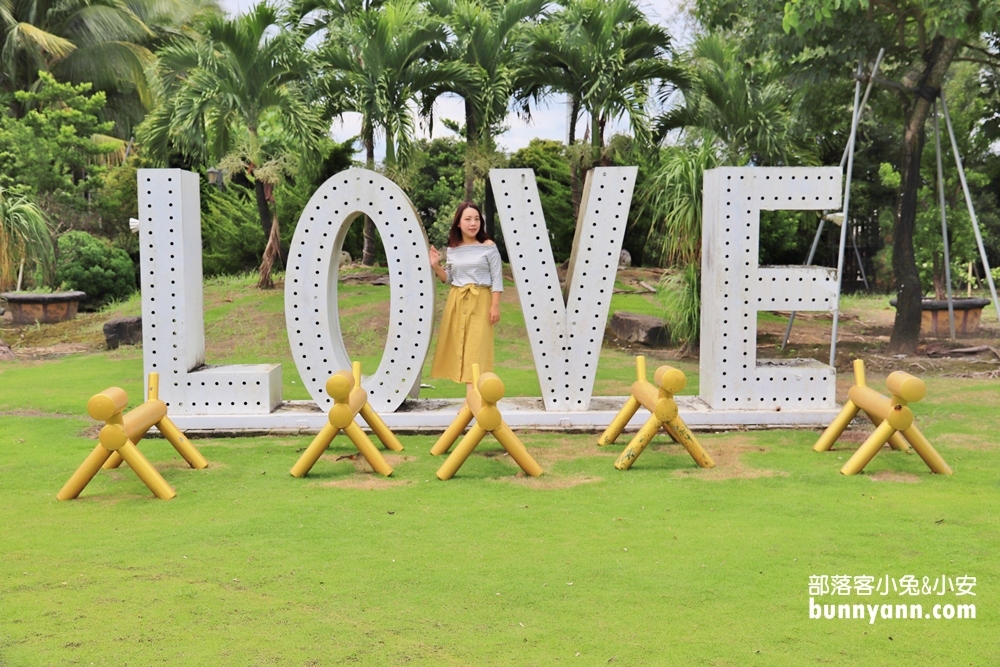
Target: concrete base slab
(434,415)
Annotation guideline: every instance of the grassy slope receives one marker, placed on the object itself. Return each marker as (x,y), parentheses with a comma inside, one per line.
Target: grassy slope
(244,325)
(663,565)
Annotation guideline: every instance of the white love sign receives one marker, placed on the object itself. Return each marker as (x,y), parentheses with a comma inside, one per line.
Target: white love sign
(566,340)
(565,325)
(173,316)
(311,314)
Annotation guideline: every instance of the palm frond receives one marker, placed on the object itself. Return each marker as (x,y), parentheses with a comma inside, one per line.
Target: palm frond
(25,236)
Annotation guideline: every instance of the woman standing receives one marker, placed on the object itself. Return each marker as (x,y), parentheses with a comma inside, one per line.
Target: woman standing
(473,307)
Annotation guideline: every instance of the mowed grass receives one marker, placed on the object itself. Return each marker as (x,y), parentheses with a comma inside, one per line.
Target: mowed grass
(246,326)
(665,564)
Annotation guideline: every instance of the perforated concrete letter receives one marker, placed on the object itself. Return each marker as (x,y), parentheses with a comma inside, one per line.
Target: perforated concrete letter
(565,335)
(173,318)
(311,312)
(734,289)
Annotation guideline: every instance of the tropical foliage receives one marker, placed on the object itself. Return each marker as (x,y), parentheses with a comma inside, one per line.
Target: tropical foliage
(605,55)
(25,240)
(759,84)
(105,43)
(50,149)
(490,39)
(238,96)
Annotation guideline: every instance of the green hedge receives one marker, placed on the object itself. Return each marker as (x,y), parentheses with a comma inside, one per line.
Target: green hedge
(94,266)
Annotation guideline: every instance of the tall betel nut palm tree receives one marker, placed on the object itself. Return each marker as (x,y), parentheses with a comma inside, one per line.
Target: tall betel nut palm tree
(223,95)
(605,55)
(376,62)
(489,40)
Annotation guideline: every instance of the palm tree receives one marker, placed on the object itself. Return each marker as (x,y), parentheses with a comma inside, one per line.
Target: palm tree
(104,42)
(605,55)
(746,108)
(241,83)
(377,62)
(671,197)
(25,239)
(490,41)
(734,114)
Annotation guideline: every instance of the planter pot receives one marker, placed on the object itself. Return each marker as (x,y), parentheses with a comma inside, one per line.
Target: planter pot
(934,316)
(28,308)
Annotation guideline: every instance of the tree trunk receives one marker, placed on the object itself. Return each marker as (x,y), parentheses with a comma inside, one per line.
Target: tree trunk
(471,148)
(272,251)
(490,211)
(596,140)
(940,293)
(262,209)
(575,168)
(906,328)
(368,249)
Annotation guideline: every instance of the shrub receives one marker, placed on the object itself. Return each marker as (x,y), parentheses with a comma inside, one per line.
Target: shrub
(680,294)
(231,238)
(94,266)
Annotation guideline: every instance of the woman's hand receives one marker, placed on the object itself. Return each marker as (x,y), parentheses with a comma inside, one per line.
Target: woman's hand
(435,266)
(495,308)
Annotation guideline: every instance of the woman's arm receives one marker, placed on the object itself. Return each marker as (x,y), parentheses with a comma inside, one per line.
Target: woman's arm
(495,308)
(496,278)
(436,266)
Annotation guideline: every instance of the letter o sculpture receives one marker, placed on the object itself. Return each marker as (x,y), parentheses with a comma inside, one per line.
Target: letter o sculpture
(311,310)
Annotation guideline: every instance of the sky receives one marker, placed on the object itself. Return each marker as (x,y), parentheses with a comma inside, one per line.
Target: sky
(549,121)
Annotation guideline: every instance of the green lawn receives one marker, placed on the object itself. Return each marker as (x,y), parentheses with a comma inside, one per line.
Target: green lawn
(665,564)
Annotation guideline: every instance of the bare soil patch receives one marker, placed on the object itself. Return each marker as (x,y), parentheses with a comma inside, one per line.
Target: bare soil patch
(54,351)
(967,442)
(567,450)
(853,437)
(729,462)
(113,498)
(366,478)
(180,464)
(29,413)
(979,375)
(548,455)
(394,460)
(361,464)
(894,476)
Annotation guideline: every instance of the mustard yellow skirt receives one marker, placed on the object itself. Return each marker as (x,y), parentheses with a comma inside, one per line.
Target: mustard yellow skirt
(466,335)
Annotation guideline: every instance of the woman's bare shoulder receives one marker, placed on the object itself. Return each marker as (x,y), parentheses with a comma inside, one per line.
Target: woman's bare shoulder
(489,242)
